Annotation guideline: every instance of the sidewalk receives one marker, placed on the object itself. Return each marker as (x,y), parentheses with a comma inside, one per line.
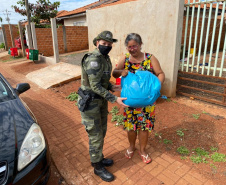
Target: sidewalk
(68,142)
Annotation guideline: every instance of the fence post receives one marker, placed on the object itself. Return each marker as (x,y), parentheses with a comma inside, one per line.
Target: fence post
(11,35)
(28,37)
(34,35)
(55,41)
(21,38)
(4,37)
(64,38)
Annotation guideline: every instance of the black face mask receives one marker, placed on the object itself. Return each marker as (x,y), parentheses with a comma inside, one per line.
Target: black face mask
(104,50)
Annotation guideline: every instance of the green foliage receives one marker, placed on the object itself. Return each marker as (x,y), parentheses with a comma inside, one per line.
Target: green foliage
(158,135)
(168,100)
(116,117)
(218,157)
(183,157)
(198,159)
(200,152)
(166,141)
(196,116)
(114,110)
(42,10)
(2,45)
(72,97)
(0,19)
(183,150)
(213,149)
(180,132)
(213,166)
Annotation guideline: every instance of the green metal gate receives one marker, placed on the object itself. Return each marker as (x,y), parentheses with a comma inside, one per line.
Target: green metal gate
(202,70)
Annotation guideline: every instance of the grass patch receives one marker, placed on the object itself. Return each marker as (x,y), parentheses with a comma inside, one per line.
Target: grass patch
(196,116)
(183,150)
(218,157)
(73,97)
(166,141)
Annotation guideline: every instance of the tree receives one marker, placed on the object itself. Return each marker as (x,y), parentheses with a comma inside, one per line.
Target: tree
(0,19)
(42,10)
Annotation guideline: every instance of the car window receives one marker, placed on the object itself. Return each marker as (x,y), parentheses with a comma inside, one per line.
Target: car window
(5,93)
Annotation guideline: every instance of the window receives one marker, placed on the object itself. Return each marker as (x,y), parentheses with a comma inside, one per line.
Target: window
(79,23)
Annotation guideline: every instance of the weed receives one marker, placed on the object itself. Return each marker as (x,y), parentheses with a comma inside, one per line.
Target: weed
(2,45)
(72,97)
(180,132)
(183,157)
(168,100)
(200,152)
(213,166)
(218,157)
(196,159)
(196,116)
(174,101)
(158,135)
(204,112)
(114,110)
(166,141)
(213,149)
(183,150)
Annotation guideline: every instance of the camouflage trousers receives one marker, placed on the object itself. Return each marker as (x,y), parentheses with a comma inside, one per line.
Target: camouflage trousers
(94,118)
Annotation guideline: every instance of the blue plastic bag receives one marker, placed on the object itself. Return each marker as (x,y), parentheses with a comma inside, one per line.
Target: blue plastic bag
(141,89)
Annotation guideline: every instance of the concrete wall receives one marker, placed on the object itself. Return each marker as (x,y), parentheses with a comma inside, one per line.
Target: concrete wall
(158,22)
(70,21)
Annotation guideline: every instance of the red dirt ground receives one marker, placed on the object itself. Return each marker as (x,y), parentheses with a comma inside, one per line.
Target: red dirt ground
(209,130)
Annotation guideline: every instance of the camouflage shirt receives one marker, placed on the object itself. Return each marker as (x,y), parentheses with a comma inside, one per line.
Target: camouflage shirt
(96,73)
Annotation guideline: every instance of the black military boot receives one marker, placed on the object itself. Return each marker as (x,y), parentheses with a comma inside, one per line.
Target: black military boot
(102,172)
(107,162)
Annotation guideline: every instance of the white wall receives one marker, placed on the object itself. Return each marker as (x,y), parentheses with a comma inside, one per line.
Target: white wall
(158,22)
(70,21)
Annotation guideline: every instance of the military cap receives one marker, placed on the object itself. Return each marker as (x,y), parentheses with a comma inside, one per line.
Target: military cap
(104,35)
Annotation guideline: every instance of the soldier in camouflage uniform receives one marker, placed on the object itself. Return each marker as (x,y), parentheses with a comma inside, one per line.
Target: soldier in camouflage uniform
(96,73)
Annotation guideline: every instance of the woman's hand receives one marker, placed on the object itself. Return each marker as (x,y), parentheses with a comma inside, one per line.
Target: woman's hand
(119,101)
(125,72)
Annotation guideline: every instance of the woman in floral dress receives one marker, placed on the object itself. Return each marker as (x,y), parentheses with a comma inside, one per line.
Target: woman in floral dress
(138,121)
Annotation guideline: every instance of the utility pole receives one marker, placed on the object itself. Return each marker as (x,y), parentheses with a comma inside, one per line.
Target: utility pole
(7,17)
(29,25)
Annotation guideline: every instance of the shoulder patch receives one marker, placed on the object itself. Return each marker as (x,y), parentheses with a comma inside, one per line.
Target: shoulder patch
(94,64)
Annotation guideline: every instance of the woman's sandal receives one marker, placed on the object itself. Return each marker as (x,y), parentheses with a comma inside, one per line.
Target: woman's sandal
(129,154)
(144,158)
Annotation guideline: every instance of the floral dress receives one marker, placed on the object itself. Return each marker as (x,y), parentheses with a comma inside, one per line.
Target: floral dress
(139,118)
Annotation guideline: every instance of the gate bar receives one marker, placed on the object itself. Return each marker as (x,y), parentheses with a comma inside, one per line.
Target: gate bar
(196,33)
(213,37)
(185,37)
(223,56)
(206,2)
(207,36)
(190,36)
(202,30)
(219,39)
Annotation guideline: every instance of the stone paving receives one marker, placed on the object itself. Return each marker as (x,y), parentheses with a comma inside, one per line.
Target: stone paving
(68,142)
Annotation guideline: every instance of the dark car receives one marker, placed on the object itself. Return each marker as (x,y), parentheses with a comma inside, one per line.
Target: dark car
(24,153)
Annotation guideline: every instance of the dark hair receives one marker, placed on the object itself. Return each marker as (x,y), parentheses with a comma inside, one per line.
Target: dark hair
(133,36)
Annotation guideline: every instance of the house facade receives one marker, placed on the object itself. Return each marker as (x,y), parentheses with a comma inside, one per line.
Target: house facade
(77,17)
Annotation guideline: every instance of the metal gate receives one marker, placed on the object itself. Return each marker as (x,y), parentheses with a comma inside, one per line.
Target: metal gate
(202,69)
(1,37)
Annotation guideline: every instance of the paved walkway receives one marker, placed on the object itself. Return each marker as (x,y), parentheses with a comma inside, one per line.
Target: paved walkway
(68,142)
